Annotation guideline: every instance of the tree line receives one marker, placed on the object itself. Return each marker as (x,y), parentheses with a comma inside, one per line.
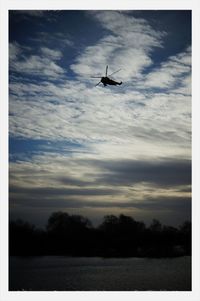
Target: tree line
(116,236)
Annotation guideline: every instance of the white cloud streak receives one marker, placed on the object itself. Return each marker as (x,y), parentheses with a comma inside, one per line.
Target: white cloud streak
(38,65)
(171,72)
(51,53)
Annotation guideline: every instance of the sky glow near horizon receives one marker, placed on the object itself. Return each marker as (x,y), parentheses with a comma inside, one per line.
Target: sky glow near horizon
(93,150)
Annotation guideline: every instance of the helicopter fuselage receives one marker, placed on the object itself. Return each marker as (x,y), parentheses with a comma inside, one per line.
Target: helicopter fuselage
(107,81)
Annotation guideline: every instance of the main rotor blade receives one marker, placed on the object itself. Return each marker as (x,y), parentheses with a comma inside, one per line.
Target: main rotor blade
(114,72)
(97,84)
(95,76)
(106,70)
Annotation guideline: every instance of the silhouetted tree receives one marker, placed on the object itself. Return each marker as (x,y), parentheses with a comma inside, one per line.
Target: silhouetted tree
(116,236)
(155,226)
(186,236)
(68,233)
(21,237)
(109,224)
(63,223)
(58,223)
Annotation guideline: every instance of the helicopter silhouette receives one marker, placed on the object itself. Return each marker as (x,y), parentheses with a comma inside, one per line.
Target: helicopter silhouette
(105,80)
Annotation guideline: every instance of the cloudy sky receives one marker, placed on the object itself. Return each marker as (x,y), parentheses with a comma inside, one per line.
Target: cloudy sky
(100,150)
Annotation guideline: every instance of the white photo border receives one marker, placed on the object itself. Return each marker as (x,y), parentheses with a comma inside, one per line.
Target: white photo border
(193,5)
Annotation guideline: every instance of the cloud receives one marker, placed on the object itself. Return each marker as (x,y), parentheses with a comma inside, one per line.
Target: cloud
(108,122)
(175,70)
(32,15)
(43,66)
(61,40)
(75,112)
(126,45)
(51,53)
(169,204)
(59,182)
(144,189)
(14,51)
(49,176)
(48,192)
(166,173)
(36,65)
(157,204)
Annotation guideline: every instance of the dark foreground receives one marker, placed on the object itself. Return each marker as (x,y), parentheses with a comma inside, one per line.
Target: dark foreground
(50,273)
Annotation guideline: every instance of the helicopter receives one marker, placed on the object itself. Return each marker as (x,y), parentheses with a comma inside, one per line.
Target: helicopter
(105,80)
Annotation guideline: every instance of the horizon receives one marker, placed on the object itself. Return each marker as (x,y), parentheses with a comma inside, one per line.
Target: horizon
(100,222)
